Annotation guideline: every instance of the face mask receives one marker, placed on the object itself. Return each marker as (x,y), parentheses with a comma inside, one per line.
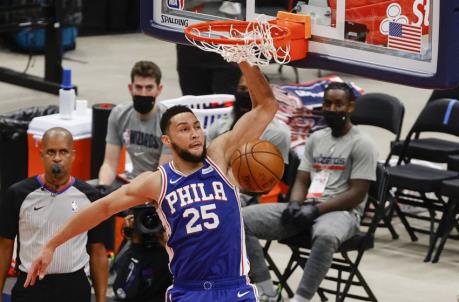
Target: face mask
(336,121)
(143,104)
(242,103)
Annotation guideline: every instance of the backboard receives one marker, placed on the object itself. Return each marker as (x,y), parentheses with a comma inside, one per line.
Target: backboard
(412,42)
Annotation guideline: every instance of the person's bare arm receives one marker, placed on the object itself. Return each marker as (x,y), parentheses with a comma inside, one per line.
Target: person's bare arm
(252,124)
(107,172)
(300,186)
(6,254)
(146,186)
(98,263)
(352,197)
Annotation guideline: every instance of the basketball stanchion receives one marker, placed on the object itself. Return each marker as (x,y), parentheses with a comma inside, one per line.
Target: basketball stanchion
(281,40)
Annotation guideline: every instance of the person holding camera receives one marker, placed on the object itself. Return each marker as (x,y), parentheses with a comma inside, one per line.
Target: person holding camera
(35,209)
(141,266)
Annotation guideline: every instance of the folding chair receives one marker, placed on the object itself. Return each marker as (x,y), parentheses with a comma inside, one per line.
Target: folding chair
(429,148)
(346,266)
(449,219)
(413,182)
(288,179)
(386,112)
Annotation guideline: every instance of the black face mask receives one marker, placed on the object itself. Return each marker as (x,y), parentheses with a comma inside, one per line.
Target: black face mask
(242,104)
(143,104)
(336,121)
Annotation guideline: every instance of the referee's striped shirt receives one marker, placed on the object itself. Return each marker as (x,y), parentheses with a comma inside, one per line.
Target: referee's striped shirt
(34,214)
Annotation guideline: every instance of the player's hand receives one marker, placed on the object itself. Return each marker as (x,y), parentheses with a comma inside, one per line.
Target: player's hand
(39,266)
(289,213)
(305,217)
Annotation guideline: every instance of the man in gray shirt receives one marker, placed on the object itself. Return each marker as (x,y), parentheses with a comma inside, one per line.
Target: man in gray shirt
(135,126)
(334,176)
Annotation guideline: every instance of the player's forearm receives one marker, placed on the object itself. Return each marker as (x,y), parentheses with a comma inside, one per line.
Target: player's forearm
(85,220)
(99,271)
(345,201)
(6,254)
(260,91)
(107,174)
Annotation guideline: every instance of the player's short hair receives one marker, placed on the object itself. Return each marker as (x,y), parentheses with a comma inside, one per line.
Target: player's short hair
(146,69)
(169,114)
(341,86)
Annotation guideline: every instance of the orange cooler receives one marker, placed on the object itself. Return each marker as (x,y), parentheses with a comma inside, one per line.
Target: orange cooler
(79,126)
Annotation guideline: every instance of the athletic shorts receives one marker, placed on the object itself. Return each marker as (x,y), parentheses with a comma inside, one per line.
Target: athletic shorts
(222,290)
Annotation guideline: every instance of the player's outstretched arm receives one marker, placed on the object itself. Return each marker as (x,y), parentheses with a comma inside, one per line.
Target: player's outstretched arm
(252,124)
(145,187)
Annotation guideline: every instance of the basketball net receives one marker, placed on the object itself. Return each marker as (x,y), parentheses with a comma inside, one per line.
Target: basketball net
(240,41)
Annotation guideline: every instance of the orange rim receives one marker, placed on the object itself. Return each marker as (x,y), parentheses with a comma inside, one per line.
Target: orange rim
(279,34)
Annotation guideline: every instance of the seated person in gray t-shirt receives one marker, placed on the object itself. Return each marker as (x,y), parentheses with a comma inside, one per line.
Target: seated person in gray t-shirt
(135,126)
(334,175)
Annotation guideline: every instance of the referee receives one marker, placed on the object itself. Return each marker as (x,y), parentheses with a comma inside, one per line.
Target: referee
(35,209)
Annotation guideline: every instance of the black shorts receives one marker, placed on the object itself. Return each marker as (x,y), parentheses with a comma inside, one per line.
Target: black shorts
(70,287)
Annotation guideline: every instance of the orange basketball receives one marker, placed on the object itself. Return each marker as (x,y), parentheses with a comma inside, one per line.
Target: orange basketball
(257,166)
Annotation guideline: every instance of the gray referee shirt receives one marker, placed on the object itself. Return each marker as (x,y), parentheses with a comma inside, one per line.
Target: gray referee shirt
(34,214)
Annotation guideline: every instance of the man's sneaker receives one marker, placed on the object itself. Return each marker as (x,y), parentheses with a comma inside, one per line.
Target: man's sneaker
(266,298)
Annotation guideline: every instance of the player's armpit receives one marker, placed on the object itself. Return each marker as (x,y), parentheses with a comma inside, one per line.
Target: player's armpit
(146,186)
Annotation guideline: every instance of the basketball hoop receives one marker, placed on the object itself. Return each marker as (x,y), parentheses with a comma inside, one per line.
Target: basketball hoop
(256,42)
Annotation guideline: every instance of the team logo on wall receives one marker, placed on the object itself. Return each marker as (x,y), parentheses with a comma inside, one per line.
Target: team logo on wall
(177,4)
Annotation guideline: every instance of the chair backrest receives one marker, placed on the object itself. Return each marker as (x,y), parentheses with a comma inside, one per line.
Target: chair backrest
(379,110)
(441,115)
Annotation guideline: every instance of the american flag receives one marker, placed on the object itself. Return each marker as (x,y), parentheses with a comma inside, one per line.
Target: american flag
(404,37)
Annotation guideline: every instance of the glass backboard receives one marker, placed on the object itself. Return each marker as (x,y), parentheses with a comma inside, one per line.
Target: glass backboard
(413,42)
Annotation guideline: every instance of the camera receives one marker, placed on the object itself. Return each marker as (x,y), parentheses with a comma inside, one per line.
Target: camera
(147,225)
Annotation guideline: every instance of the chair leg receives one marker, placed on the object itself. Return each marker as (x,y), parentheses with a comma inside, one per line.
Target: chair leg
(291,267)
(356,273)
(446,225)
(405,222)
(323,297)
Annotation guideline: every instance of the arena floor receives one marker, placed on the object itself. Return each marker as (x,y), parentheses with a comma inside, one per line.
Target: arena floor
(394,269)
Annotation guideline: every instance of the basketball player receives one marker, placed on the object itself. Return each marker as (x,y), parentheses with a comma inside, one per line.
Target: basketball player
(197,201)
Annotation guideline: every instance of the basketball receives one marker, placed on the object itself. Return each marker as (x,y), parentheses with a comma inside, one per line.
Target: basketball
(257,166)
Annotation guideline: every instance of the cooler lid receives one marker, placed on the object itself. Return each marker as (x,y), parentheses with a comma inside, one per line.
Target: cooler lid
(80,124)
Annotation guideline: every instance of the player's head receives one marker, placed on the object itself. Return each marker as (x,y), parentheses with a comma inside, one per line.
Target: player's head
(339,102)
(182,133)
(145,85)
(57,152)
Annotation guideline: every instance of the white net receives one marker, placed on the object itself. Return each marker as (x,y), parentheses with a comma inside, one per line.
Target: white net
(255,43)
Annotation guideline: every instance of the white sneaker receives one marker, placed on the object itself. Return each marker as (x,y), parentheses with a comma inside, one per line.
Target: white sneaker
(230,8)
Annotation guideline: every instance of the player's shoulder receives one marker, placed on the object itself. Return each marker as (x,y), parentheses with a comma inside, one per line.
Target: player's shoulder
(360,137)
(25,186)
(319,134)
(85,188)
(122,110)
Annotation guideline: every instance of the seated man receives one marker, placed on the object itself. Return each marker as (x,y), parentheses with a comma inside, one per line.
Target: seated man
(276,132)
(134,126)
(334,175)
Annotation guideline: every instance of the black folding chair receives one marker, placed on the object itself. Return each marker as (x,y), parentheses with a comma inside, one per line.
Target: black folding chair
(413,182)
(386,112)
(346,266)
(429,148)
(449,220)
